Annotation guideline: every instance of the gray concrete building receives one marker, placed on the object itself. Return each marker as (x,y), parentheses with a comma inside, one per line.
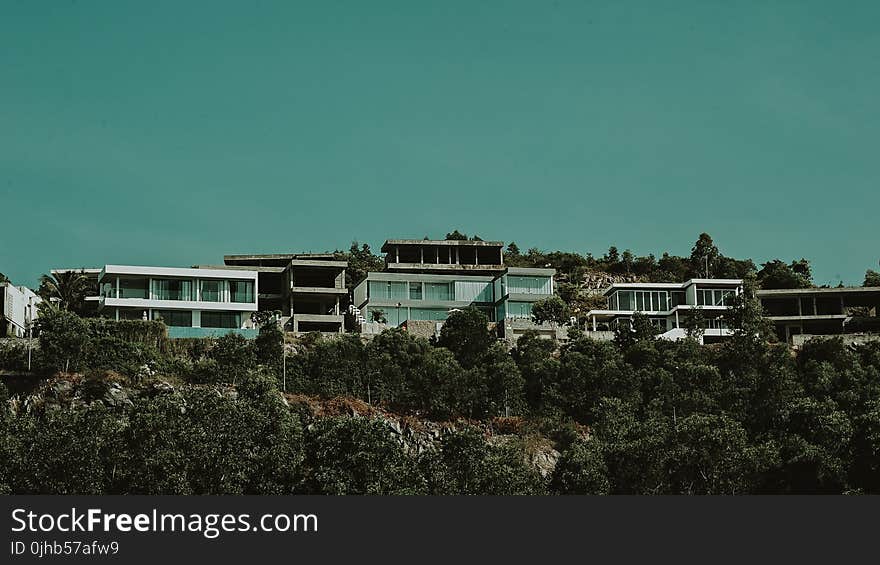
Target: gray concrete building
(801,313)
(307,288)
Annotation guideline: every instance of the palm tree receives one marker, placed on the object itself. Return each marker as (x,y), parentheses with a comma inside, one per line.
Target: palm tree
(68,289)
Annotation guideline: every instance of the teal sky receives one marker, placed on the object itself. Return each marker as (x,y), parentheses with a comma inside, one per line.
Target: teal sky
(170,133)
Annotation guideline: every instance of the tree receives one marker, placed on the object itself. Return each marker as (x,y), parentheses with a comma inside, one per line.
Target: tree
(467,464)
(704,253)
(378,316)
(613,256)
(234,357)
(538,368)
(64,337)
(355,455)
(3,278)
(67,289)
(466,334)
(551,309)
(456,235)
(581,470)
(639,328)
(776,274)
(269,347)
(361,261)
(872,278)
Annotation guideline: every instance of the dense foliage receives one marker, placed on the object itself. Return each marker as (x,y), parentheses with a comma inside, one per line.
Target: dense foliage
(208,416)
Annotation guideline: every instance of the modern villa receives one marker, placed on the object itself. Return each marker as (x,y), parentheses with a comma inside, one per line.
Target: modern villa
(426,280)
(802,313)
(191,302)
(18,309)
(668,306)
(307,288)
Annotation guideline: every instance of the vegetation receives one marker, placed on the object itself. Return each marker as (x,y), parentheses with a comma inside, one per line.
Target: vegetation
(637,415)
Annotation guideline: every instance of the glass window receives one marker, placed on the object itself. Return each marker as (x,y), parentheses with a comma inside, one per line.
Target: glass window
(435,314)
(438,291)
(172,289)
(231,320)
(679,297)
(174,318)
(211,292)
(519,309)
(133,288)
(242,291)
(415,291)
(626,300)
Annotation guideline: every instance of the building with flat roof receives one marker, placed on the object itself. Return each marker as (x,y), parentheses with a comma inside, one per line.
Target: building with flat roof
(427,280)
(443,256)
(668,305)
(801,313)
(307,288)
(192,302)
(18,309)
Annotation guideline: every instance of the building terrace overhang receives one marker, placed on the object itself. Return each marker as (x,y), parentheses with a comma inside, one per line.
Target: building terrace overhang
(389,244)
(872,291)
(175,272)
(713,283)
(318,290)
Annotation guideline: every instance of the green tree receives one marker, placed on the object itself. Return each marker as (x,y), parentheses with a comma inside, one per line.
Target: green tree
(704,254)
(872,278)
(776,274)
(581,469)
(638,329)
(269,347)
(467,464)
(466,334)
(361,261)
(64,337)
(67,289)
(354,455)
(456,235)
(234,357)
(551,309)
(534,358)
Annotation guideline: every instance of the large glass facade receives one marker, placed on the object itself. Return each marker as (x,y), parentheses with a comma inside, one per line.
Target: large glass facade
(241,291)
(172,289)
(639,300)
(221,319)
(519,309)
(174,318)
(439,291)
(436,314)
(528,285)
(211,291)
(389,290)
(715,297)
(415,291)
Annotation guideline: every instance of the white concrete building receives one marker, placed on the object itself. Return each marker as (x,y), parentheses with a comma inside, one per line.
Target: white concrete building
(18,309)
(191,302)
(668,305)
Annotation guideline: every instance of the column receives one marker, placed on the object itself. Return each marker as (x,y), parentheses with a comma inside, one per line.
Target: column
(456,255)
(337,306)
(117,296)
(421,254)
(594,322)
(397,254)
(117,312)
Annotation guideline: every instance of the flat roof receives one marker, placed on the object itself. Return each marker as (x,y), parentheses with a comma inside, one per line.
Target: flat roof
(141,270)
(87,271)
(531,271)
(241,268)
(440,242)
(808,291)
(672,285)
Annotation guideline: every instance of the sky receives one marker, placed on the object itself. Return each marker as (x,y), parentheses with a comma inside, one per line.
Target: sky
(172,133)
